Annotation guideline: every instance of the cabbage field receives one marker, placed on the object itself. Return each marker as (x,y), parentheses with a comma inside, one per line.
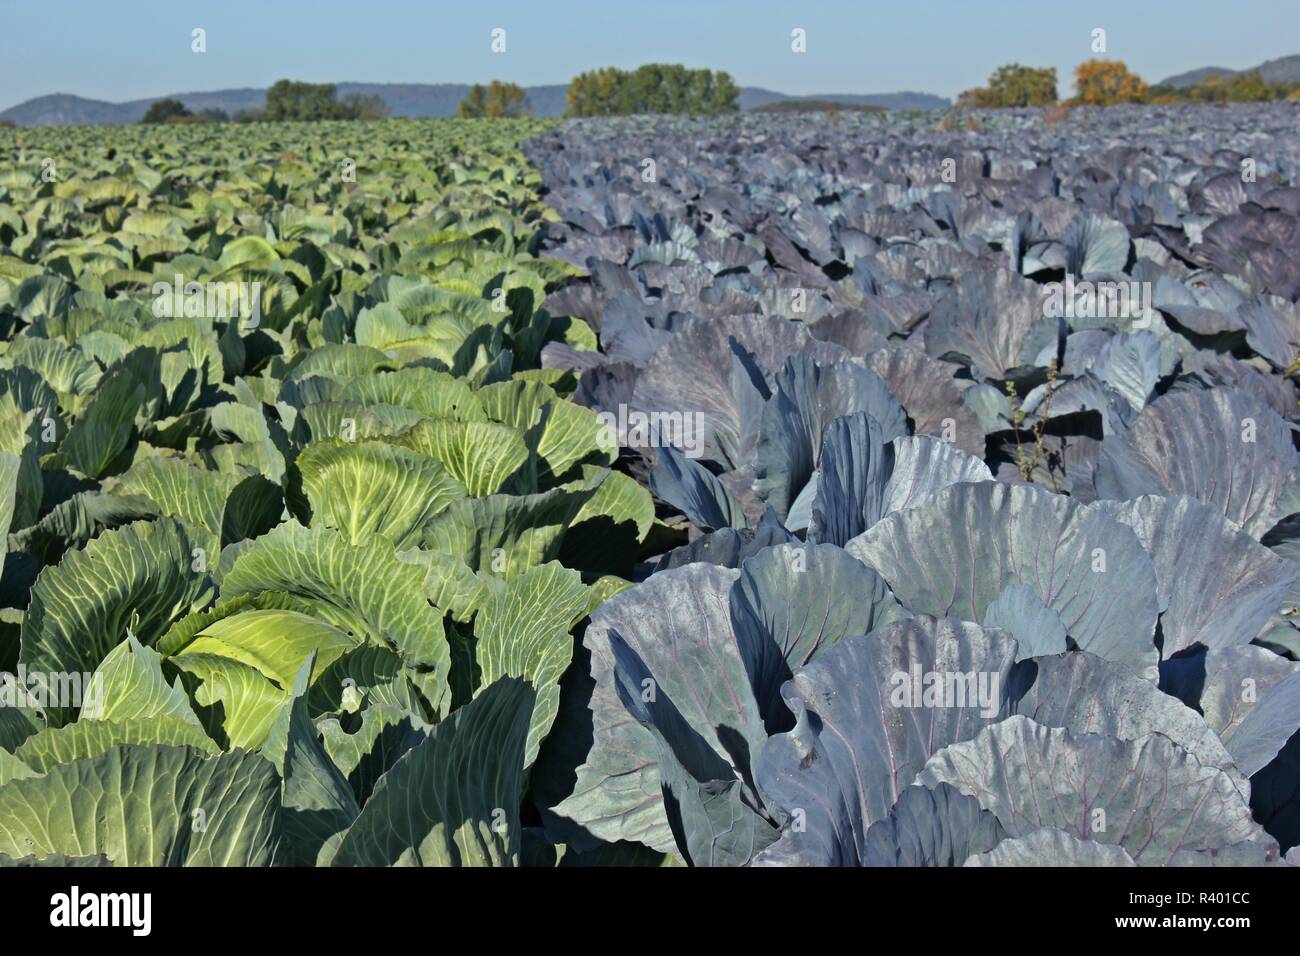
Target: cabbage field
(778,490)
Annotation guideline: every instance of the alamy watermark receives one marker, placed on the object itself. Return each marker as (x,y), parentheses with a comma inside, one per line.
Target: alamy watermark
(210,300)
(630,428)
(41,689)
(928,689)
(1103,299)
(74,908)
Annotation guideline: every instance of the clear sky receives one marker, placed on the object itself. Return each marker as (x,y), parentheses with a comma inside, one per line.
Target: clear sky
(131,49)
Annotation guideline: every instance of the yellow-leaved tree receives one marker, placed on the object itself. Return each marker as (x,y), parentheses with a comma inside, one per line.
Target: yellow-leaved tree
(1106,83)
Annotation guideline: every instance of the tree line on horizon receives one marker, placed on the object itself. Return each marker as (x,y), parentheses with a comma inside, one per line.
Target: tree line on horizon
(610,91)
(673,88)
(286,100)
(653,88)
(1110,83)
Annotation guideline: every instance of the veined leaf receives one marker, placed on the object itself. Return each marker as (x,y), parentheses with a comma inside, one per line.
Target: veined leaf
(143,806)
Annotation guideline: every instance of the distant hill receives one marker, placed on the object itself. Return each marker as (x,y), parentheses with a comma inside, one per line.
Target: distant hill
(1282,70)
(753,96)
(63,109)
(403,99)
(1192,77)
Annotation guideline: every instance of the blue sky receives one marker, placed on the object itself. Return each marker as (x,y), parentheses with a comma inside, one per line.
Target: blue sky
(133,49)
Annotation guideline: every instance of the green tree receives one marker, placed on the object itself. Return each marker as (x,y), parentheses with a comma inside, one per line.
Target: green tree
(653,88)
(726,94)
(293,100)
(496,100)
(474,105)
(1248,88)
(1014,85)
(597,93)
(162,111)
(361,107)
(507,99)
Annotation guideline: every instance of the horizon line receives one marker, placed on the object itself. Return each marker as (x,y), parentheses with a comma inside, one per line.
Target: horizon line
(230,89)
